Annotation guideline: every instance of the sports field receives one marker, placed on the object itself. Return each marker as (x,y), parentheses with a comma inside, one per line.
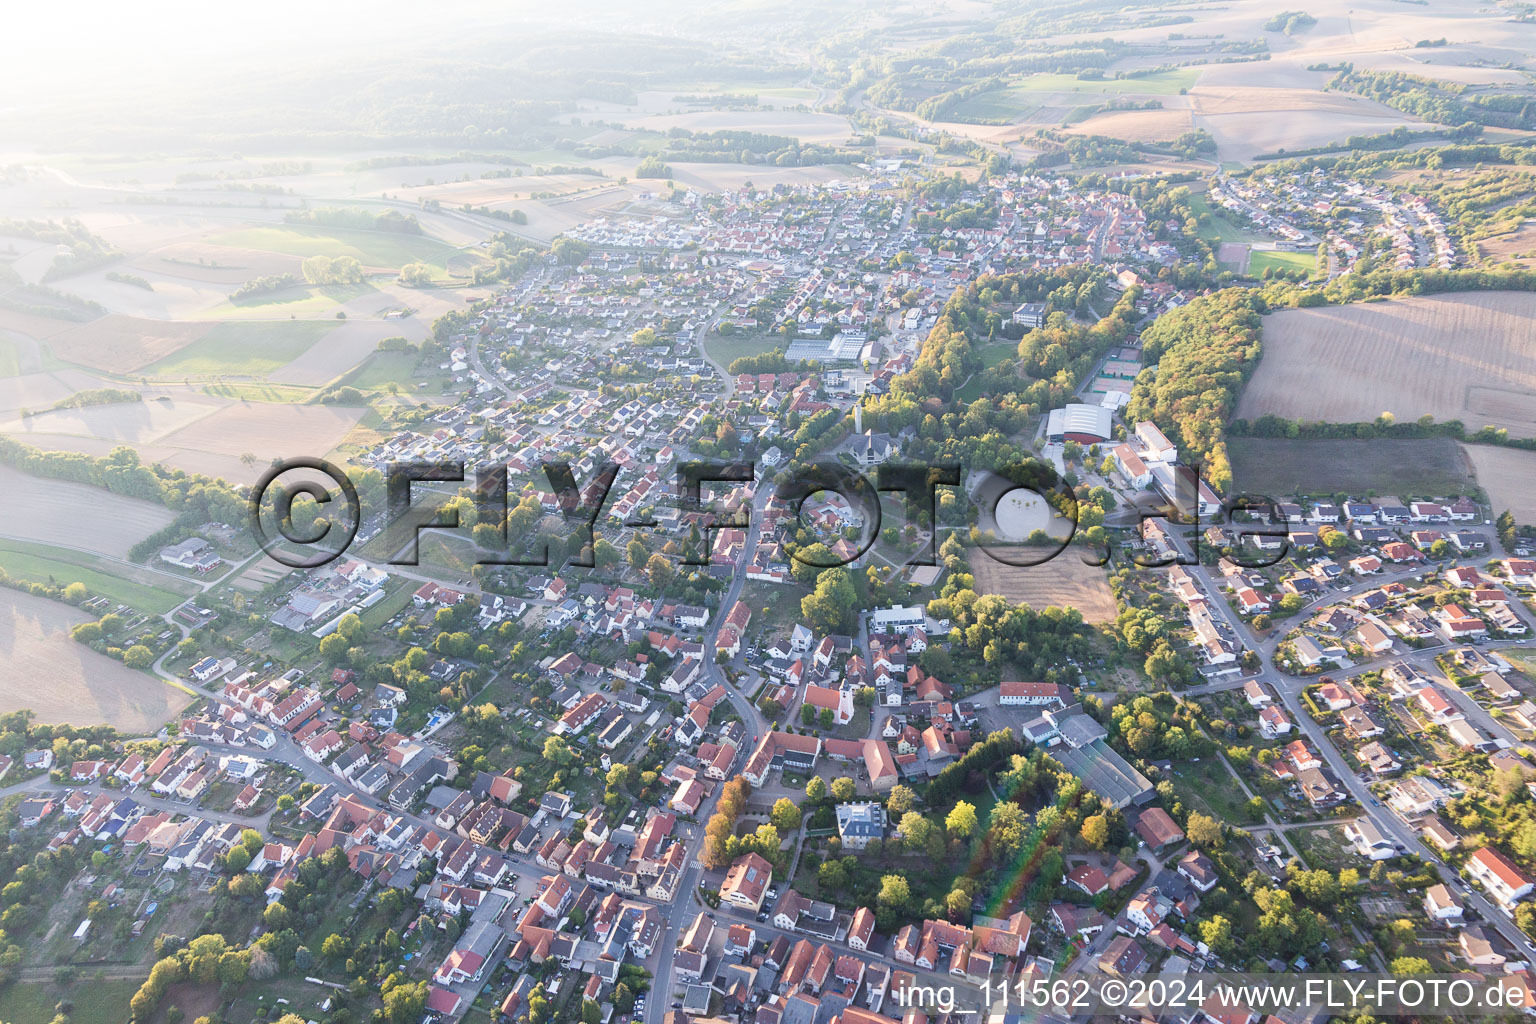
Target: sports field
(1260,260)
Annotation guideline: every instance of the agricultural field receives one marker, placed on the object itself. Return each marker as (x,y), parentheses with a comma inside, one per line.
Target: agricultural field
(123,344)
(1468,356)
(341,348)
(238,349)
(382,250)
(76,515)
(1279,466)
(84,688)
(1064,581)
(219,444)
(382,370)
(1509,477)
(1136,125)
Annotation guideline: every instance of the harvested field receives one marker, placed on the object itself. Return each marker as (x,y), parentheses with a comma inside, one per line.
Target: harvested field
(236,442)
(122,344)
(266,431)
(41,390)
(1509,477)
(76,515)
(122,422)
(1280,466)
(1469,356)
(1136,125)
(1247,120)
(83,687)
(345,347)
(1064,581)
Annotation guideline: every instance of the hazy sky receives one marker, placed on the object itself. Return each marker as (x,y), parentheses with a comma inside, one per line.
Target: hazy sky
(95,43)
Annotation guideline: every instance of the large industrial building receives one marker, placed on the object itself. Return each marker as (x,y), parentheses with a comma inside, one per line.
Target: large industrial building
(1088,424)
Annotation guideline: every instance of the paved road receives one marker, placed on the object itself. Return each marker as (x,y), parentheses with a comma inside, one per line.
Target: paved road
(1289,688)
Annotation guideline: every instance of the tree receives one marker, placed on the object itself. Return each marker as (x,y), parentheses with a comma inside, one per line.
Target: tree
(901,800)
(816,789)
(1217,934)
(237,860)
(843,789)
(1008,830)
(1409,965)
(1095,831)
(635,552)
(334,947)
(334,648)
(830,607)
(785,815)
(832,878)
(403,1003)
(557,751)
(416,275)
(961,821)
(895,893)
(915,830)
(138,656)
(1203,830)
(659,571)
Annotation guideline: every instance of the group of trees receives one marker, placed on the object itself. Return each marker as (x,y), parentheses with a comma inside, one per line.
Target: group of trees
(263,285)
(1438,100)
(1204,352)
(321,269)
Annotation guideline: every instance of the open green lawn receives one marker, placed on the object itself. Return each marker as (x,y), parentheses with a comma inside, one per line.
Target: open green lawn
(33,1003)
(1218,228)
(1260,259)
(41,563)
(243,349)
(370,248)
